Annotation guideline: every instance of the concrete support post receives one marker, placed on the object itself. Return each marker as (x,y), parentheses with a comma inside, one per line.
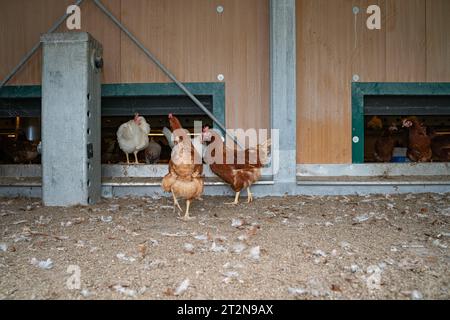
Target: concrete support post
(71,119)
(283,90)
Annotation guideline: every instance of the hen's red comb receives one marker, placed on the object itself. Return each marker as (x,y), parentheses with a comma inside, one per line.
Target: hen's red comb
(170,116)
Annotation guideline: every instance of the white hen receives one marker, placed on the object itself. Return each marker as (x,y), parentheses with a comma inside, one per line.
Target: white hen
(133,136)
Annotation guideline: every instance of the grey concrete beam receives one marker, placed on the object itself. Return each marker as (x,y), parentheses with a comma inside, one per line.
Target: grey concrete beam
(71,115)
(283,92)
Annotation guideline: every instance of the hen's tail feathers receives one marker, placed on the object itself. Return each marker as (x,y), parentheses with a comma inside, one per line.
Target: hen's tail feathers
(264,151)
(168,134)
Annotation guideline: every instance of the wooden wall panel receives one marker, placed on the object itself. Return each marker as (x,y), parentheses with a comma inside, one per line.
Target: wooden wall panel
(438,40)
(196,43)
(104,30)
(12,42)
(405,41)
(412,46)
(369,49)
(37,19)
(324,47)
(189,37)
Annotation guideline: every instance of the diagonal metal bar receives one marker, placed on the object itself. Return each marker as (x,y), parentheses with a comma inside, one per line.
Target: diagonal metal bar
(35,48)
(164,69)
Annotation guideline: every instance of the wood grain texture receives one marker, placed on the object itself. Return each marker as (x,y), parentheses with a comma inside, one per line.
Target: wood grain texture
(405,41)
(107,33)
(369,51)
(12,37)
(37,19)
(438,40)
(188,36)
(412,46)
(197,44)
(324,46)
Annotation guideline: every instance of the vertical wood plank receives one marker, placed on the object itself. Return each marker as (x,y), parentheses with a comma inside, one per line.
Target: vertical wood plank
(438,40)
(324,46)
(369,49)
(107,33)
(196,44)
(405,41)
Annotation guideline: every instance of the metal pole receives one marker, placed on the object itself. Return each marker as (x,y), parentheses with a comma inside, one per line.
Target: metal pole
(35,48)
(163,68)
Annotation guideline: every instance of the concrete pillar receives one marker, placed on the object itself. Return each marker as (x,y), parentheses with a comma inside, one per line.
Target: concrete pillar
(71,119)
(283,90)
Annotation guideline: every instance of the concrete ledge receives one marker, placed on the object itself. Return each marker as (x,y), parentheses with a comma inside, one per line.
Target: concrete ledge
(375,181)
(25,180)
(378,170)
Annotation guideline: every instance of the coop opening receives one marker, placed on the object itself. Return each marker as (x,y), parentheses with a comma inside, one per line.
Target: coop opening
(406,128)
(155,110)
(20,126)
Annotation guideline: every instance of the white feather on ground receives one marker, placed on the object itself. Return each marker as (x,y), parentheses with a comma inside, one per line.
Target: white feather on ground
(182,287)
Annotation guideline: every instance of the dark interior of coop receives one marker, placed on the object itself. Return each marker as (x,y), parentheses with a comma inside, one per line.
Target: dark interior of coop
(20,125)
(382,112)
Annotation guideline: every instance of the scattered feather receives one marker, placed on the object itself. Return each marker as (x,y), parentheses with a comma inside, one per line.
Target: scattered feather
(3,247)
(242,237)
(217,248)
(297,291)
(45,264)
(19,222)
(361,218)
(354,268)
(85,293)
(237,223)
(239,247)
(189,248)
(319,253)
(125,291)
(174,235)
(201,237)
(107,219)
(182,287)
(255,253)
(123,257)
(416,295)
(43,221)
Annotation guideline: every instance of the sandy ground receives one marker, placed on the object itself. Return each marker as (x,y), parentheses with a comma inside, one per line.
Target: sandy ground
(374,247)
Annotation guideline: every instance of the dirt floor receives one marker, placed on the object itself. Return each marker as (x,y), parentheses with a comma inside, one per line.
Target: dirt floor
(374,247)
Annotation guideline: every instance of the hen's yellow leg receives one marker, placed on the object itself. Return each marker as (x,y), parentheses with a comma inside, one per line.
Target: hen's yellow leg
(186,215)
(135,157)
(249,195)
(236,199)
(175,203)
(128,159)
